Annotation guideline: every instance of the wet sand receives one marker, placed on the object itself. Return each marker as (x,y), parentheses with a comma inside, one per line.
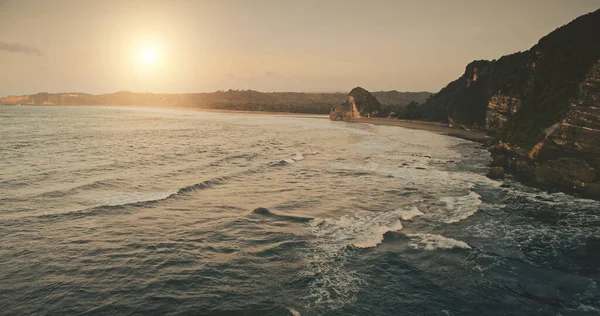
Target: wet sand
(440,128)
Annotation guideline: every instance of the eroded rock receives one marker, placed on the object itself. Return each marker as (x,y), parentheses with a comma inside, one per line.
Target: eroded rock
(496,172)
(359,103)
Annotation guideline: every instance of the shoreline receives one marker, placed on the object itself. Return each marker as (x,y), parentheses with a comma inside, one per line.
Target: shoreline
(293,114)
(313,115)
(435,127)
(476,136)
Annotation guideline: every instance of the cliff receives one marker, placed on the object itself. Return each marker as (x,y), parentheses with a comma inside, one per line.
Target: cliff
(543,105)
(570,153)
(359,103)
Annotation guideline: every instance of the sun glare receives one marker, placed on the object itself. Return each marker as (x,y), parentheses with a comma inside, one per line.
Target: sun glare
(148,55)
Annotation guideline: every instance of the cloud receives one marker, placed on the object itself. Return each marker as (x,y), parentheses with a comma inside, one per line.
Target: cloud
(19,48)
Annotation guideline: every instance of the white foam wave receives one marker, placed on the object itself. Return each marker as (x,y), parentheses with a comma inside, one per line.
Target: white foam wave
(122,198)
(433,242)
(311,153)
(588,309)
(361,229)
(447,196)
(335,285)
(298,157)
(552,199)
(458,208)
(410,213)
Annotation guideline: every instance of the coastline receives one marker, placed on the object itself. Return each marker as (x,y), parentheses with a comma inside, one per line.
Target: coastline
(477,136)
(320,116)
(435,127)
(294,114)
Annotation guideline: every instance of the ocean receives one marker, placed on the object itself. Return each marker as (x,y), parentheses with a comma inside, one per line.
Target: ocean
(145,211)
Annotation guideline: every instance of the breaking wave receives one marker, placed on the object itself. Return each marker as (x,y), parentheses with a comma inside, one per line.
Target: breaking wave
(134,197)
(261,211)
(434,242)
(334,241)
(297,157)
(459,207)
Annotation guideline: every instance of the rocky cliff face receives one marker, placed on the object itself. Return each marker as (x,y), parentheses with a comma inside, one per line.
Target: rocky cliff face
(500,107)
(543,104)
(359,103)
(569,155)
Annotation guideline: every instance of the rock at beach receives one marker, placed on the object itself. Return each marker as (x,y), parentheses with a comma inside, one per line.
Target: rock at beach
(496,173)
(359,103)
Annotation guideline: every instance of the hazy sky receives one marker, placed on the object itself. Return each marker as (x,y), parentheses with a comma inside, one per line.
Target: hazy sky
(267,45)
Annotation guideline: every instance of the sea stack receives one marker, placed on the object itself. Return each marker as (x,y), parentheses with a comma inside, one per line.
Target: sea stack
(359,103)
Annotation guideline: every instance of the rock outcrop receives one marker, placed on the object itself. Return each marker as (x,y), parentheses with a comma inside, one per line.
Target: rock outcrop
(359,103)
(569,155)
(496,172)
(500,107)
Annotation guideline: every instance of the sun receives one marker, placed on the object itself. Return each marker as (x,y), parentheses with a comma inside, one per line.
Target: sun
(148,55)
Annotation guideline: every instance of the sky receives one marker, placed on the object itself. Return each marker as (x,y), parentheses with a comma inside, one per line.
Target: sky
(180,46)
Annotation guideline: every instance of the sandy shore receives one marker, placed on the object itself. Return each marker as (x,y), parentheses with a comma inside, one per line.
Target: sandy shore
(440,128)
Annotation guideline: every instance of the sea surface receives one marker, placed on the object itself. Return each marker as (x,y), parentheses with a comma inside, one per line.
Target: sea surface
(140,211)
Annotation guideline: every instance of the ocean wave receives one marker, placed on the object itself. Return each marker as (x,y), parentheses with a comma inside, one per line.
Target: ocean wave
(457,208)
(333,244)
(551,199)
(311,153)
(588,309)
(246,156)
(297,157)
(104,184)
(125,198)
(268,213)
(410,212)
(434,242)
(361,229)
(203,185)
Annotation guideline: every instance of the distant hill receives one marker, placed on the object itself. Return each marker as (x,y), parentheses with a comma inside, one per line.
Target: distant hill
(246,100)
(243,100)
